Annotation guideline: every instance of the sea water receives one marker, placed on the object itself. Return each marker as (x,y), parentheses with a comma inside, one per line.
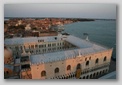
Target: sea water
(99,31)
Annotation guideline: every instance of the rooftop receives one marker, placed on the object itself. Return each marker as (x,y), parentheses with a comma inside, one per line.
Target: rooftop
(19,40)
(84,47)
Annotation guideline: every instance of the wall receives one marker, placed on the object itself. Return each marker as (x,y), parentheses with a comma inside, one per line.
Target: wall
(62,65)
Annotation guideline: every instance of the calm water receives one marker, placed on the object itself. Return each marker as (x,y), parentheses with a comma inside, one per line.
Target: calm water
(101,32)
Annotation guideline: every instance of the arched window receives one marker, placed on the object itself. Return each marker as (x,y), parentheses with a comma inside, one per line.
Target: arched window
(68,67)
(104,58)
(78,66)
(43,73)
(97,60)
(57,70)
(87,63)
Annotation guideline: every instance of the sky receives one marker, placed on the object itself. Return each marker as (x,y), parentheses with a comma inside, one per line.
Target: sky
(101,11)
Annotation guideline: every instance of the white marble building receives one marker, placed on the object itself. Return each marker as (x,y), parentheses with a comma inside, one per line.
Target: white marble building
(59,57)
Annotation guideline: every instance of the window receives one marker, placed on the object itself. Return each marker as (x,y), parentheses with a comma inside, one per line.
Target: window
(68,67)
(40,40)
(97,60)
(49,45)
(45,45)
(36,46)
(43,50)
(56,70)
(87,63)
(36,50)
(32,46)
(53,44)
(89,58)
(78,66)
(104,58)
(43,73)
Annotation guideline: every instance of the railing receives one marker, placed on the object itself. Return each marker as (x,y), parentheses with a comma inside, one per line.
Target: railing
(73,74)
(95,68)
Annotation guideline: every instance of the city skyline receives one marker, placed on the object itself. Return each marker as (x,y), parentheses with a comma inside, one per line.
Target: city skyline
(100,11)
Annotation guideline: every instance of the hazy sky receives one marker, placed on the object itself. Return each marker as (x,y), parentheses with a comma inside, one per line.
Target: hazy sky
(107,11)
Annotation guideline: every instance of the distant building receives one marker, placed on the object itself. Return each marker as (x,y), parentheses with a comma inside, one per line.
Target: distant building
(19,22)
(27,28)
(58,57)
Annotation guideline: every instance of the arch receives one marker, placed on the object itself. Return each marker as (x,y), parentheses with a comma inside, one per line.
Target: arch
(97,61)
(83,77)
(78,66)
(103,71)
(91,76)
(57,70)
(43,73)
(105,58)
(106,70)
(97,73)
(87,77)
(94,75)
(68,67)
(100,72)
(87,63)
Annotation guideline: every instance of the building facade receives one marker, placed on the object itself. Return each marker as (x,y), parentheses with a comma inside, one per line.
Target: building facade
(58,57)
